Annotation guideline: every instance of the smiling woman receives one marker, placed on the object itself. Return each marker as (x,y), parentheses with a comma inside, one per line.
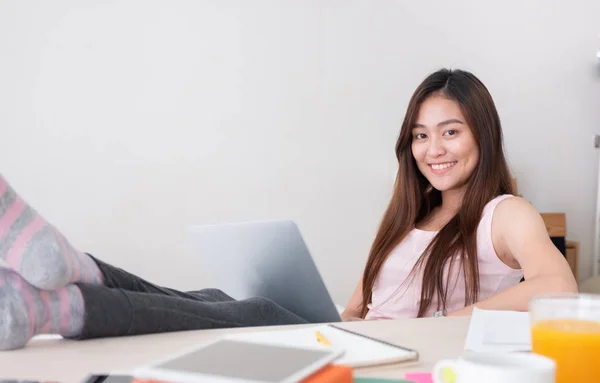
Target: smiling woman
(454,235)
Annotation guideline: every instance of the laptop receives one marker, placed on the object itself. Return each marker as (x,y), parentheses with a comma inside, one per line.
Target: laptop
(265,259)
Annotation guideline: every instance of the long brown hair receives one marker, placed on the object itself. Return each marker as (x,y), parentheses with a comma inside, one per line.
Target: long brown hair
(414,198)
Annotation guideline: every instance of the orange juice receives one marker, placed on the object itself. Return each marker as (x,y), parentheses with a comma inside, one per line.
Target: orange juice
(573,344)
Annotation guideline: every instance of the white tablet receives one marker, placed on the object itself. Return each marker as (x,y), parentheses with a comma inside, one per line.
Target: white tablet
(236,361)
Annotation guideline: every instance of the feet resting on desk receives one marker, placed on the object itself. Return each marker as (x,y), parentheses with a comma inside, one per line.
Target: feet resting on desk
(49,287)
(36,291)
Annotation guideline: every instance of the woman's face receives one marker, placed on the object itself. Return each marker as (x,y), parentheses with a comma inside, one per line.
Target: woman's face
(442,144)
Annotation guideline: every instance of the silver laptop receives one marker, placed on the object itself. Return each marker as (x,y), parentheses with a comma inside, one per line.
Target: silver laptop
(265,259)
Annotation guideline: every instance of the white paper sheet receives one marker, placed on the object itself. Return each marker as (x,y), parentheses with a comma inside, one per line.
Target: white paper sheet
(498,331)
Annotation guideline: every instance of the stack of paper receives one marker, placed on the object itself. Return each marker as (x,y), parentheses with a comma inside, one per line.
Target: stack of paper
(499,331)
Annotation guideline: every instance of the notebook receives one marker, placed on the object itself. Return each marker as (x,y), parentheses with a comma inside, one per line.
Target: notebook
(359,350)
(498,331)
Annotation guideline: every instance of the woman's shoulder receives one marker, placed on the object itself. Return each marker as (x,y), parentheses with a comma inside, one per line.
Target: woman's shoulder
(505,209)
(507,202)
(514,211)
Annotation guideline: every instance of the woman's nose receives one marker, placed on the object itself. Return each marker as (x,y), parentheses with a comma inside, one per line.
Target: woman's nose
(436,148)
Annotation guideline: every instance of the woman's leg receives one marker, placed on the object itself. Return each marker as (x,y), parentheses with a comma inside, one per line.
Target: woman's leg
(117,278)
(117,312)
(84,311)
(36,250)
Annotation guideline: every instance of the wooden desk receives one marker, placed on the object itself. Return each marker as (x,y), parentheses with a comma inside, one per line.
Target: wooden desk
(70,361)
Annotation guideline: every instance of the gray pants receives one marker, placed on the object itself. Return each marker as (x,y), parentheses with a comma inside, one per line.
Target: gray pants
(129,305)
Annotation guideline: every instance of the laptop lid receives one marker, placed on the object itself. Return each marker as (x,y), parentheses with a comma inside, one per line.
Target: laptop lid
(265,259)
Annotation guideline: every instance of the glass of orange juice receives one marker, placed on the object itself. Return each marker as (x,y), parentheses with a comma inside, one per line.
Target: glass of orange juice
(566,328)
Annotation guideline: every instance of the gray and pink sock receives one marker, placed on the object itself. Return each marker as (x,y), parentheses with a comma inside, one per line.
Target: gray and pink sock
(26,311)
(36,250)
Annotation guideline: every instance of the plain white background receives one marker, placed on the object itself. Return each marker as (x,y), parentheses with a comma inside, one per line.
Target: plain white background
(125,122)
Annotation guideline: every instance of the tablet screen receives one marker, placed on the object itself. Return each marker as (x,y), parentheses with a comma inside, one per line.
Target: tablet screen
(242,360)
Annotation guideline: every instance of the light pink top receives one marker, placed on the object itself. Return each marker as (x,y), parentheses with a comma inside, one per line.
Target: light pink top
(396,295)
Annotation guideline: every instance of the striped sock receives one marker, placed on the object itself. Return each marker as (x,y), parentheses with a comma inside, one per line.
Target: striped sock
(36,250)
(26,311)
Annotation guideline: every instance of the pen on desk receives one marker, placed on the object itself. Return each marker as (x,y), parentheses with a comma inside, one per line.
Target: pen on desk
(321,339)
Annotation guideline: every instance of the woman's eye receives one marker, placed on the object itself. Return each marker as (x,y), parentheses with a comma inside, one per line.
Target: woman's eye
(450,132)
(420,136)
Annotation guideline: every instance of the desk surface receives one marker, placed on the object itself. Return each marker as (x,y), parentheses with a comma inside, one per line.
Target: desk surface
(70,361)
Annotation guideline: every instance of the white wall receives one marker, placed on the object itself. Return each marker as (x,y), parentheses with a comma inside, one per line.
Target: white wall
(124,122)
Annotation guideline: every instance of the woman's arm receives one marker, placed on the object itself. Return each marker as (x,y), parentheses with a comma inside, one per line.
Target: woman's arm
(352,311)
(520,238)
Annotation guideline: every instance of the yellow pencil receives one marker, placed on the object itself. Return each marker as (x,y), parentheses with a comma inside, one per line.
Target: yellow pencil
(321,339)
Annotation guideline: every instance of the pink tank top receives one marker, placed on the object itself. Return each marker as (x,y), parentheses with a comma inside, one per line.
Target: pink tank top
(396,293)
